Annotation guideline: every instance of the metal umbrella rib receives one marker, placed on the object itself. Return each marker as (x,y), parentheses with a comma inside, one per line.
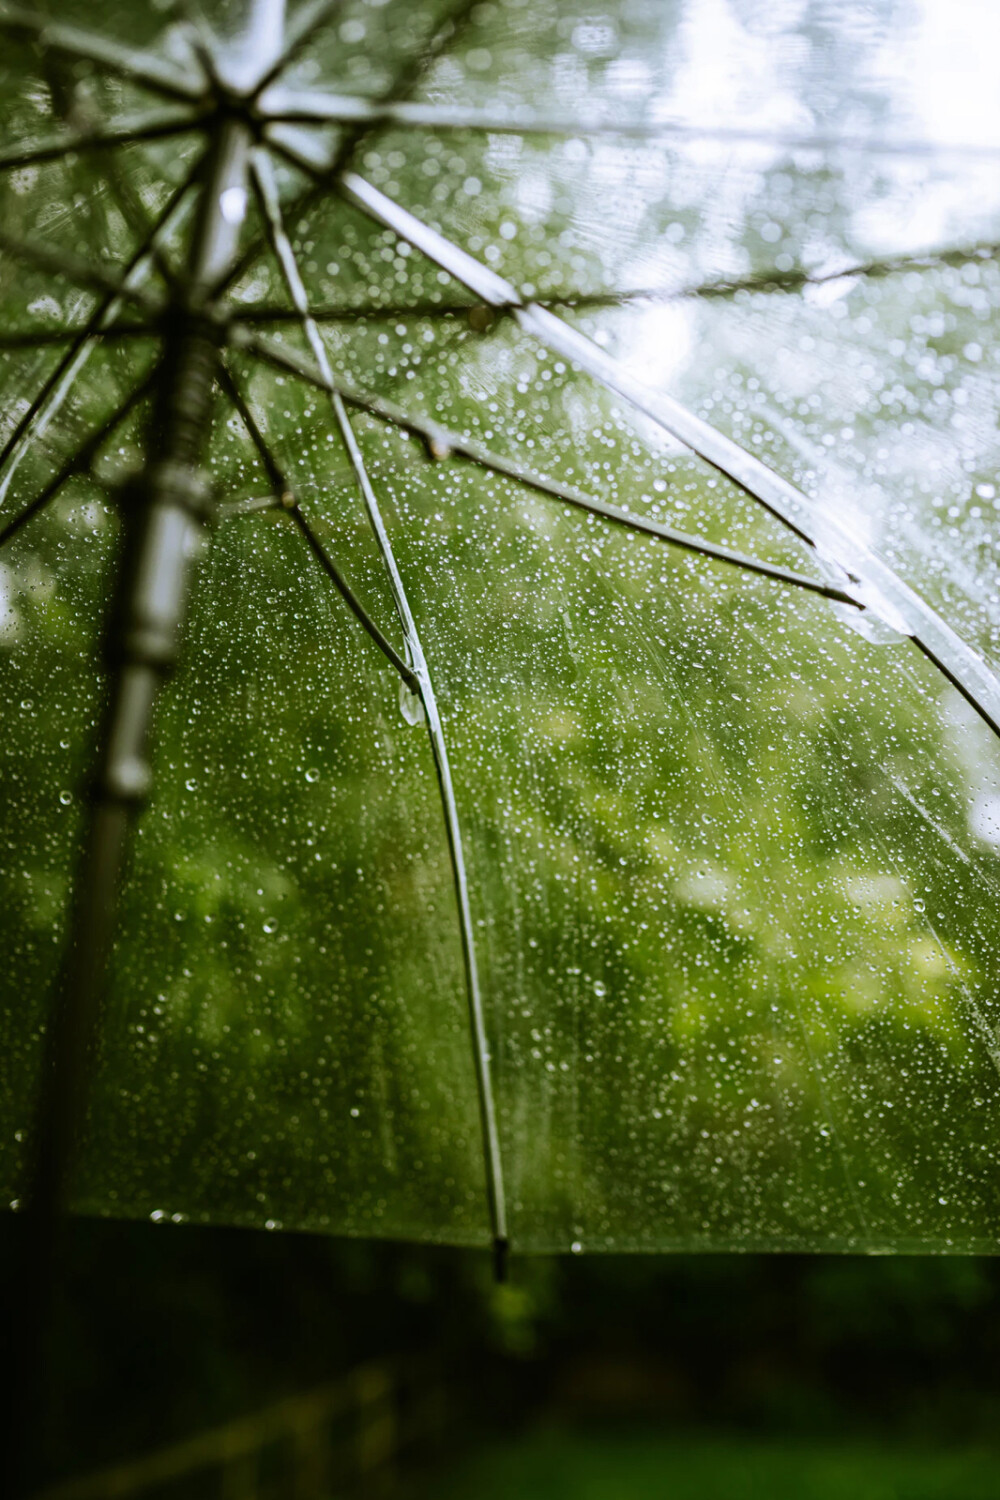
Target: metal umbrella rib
(312,106)
(77,270)
(57,385)
(266,187)
(300,28)
(130,63)
(284,499)
(888,593)
(443,443)
(405,81)
(135,130)
(771,280)
(80,460)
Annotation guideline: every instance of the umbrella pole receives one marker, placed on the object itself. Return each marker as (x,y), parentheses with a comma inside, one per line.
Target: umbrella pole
(166,513)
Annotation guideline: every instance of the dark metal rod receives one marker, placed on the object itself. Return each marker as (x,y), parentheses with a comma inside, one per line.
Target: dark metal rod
(161,531)
(59,383)
(47,338)
(170,508)
(330,568)
(263,179)
(79,462)
(443,444)
(148,127)
(75,269)
(405,81)
(768,280)
(132,63)
(287,501)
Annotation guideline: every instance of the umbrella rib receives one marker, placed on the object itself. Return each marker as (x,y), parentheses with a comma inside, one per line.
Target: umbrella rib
(266,189)
(75,269)
(151,126)
(132,63)
(404,82)
(299,31)
(443,444)
(80,460)
(882,590)
(59,383)
(771,280)
(406,79)
(285,499)
(317,107)
(45,338)
(250,505)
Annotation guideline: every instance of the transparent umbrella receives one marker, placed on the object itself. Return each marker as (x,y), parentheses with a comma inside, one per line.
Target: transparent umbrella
(593,418)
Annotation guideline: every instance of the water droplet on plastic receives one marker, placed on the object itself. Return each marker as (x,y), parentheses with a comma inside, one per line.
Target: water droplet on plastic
(312,774)
(233,203)
(270,924)
(65,798)
(410,704)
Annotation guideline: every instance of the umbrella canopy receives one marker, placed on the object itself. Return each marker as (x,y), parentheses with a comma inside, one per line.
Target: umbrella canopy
(562,447)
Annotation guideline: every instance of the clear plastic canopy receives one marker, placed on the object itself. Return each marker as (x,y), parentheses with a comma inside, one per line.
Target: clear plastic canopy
(631,880)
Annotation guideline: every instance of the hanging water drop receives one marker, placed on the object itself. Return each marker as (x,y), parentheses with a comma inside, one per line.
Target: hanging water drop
(411,705)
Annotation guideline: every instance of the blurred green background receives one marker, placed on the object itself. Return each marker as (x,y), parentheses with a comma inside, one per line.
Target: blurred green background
(599,1377)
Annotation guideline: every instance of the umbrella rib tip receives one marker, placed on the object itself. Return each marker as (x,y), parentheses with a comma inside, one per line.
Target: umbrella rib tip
(501,1254)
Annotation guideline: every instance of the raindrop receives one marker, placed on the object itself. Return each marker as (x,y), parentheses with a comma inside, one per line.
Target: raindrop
(576,1247)
(411,704)
(233,204)
(270,924)
(65,798)
(312,774)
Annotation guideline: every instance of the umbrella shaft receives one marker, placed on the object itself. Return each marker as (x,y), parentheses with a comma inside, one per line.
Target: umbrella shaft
(166,512)
(165,515)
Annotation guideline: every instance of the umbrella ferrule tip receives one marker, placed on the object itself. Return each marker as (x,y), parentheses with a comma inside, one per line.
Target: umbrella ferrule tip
(501,1253)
